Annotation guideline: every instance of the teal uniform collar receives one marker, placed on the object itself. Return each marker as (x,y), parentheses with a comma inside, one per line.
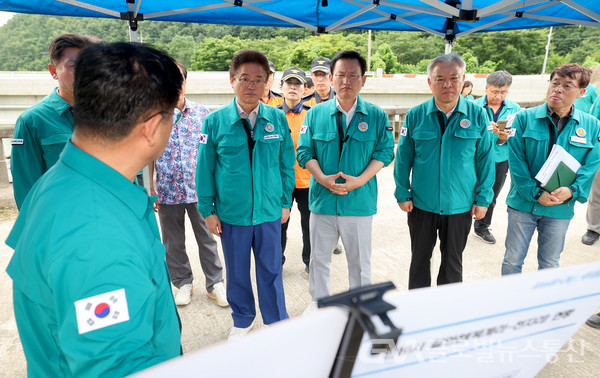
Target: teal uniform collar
(461,106)
(58,103)
(361,106)
(132,195)
(232,112)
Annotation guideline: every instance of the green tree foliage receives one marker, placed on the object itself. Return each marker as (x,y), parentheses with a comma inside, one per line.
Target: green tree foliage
(181,48)
(25,38)
(384,54)
(410,47)
(215,54)
(518,52)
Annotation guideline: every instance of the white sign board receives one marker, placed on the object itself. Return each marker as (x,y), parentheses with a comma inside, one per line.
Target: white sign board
(506,327)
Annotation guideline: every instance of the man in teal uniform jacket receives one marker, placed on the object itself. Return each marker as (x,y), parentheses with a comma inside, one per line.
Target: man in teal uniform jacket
(42,130)
(90,285)
(587,99)
(446,144)
(244,180)
(343,143)
(536,131)
(497,107)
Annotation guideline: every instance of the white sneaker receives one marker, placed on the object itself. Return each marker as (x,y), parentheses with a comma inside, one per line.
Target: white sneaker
(219,294)
(184,295)
(312,307)
(238,333)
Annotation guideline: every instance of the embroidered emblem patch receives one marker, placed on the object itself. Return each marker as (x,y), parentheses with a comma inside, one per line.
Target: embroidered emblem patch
(363,126)
(269,128)
(101,311)
(303,129)
(203,138)
(403,131)
(580,132)
(465,123)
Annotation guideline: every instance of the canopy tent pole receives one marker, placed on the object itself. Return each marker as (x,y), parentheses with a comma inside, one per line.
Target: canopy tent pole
(369,52)
(547,49)
(448,48)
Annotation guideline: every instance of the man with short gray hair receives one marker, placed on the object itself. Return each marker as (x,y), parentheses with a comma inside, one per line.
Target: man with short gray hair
(497,108)
(446,144)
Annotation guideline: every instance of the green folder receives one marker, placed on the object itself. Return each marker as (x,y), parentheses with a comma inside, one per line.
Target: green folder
(562,176)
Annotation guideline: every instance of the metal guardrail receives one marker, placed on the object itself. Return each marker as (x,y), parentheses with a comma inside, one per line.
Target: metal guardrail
(396,115)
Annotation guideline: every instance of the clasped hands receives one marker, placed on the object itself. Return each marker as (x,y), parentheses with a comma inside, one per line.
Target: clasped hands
(352,182)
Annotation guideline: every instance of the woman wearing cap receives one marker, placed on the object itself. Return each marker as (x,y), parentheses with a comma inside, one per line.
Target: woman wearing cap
(292,87)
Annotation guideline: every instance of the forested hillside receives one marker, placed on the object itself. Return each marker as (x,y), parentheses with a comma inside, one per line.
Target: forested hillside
(24,42)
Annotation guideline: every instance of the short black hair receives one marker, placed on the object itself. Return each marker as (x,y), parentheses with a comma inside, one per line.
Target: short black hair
(118,85)
(65,41)
(574,71)
(249,56)
(350,54)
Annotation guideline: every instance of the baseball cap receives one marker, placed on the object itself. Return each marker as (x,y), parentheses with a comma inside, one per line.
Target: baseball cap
(271,66)
(294,72)
(321,64)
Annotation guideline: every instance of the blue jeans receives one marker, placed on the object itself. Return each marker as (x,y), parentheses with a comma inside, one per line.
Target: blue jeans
(551,240)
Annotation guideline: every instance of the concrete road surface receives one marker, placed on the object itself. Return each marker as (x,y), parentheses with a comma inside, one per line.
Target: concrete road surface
(204,323)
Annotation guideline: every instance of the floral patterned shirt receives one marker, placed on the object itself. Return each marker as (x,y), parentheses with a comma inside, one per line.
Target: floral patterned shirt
(176,167)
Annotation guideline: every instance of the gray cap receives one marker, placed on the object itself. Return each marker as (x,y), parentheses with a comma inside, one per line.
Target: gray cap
(321,64)
(271,66)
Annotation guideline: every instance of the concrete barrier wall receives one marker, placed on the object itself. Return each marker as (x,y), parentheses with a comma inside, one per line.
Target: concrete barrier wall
(20,90)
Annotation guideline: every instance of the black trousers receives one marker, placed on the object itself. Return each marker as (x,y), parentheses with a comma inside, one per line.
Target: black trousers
(501,172)
(453,232)
(301,197)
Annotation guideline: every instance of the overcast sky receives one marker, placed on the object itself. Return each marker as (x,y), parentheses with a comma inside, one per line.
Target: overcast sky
(5,16)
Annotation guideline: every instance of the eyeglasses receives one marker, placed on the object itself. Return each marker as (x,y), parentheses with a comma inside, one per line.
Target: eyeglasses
(351,78)
(567,86)
(246,82)
(499,93)
(164,113)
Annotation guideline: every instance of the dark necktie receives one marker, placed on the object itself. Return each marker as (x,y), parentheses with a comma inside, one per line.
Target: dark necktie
(250,136)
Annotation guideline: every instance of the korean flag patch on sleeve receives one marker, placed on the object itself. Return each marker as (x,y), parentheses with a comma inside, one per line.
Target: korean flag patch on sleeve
(403,131)
(303,129)
(203,138)
(101,311)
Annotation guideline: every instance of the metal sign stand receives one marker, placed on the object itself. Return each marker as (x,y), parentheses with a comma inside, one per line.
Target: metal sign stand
(363,303)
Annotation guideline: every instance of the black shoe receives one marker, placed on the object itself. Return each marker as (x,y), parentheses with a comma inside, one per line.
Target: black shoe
(594,320)
(590,237)
(486,236)
(338,249)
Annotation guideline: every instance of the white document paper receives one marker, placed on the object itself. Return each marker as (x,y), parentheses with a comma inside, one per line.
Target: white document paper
(507,327)
(557,154)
